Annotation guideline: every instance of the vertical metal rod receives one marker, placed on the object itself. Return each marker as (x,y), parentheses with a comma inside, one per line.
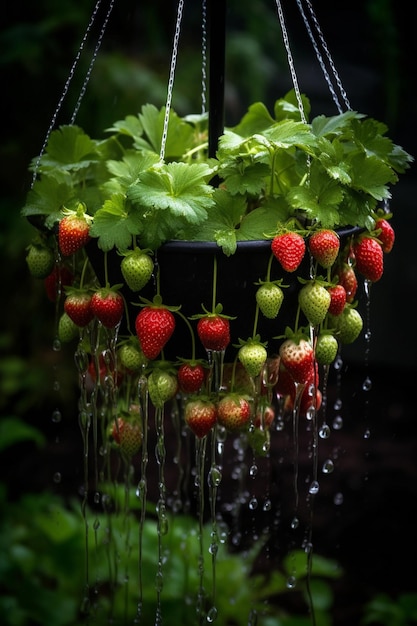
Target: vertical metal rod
(216,13)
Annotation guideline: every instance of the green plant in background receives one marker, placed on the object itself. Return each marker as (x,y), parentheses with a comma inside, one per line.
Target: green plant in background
(387,610)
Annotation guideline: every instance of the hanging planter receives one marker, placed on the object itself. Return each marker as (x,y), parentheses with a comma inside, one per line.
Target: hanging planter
(211,269)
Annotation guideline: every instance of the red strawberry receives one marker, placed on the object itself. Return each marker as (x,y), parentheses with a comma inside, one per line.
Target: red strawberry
(58,279)
(285,384)
(386,235)
(154,327)
(347,278)
(233,412)
(77,306)
(214,332)
(126,432)
(289,249)
(337,299)
(200,414)
(369,258)
(73,233)
(297,357)
(324,247)
(191,376)
(107,305)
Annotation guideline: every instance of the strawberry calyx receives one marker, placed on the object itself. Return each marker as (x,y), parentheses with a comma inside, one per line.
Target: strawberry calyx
(80,212)
(156,303)
(216,312)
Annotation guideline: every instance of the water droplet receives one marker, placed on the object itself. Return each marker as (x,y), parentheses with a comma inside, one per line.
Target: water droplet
(253,503)
(295,523)
(96,524)
(56,345)
(338,404)
(253,470)
(96,497)
(338,363)
(57,477)
(267,505)
(314,488)
(324,431)
(328,466)
(159,581)
(211,615)
(368,335)
(291,582)
(215,477)
(56,385)
(213,549)
(56,416)
(338,498)
(367,384)
(310,413)
(367,434)
(338,422)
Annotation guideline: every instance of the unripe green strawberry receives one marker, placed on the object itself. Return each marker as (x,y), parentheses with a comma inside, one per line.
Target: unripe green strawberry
(126,432)
(162,386)
(348,325)
(269,298)
(137,268)
(40,260)
(314,301)
(252,355)
(131,356)
(326,349)
(67,329)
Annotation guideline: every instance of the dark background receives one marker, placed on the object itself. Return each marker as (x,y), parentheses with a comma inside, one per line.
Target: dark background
(374,49)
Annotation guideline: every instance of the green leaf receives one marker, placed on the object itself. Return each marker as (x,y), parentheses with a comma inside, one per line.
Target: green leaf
(13,430)
(48,195)
(130,126)
(254,121)
(323,126)
(370,175)
(257,223)
(69,147)
(178,187)
(126,172)
(243,175)
(179,134)
(114,225)
(288,107)
(288,133)
(320,198)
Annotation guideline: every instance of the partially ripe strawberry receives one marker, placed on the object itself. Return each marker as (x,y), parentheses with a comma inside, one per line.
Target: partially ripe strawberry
(289,249)
(369,258)
(73,233)
(107,305)
(214,332)
(297,357)
(233,412)
(324,246)
(126,432)
(386,234)
(191,376)
(154,327)
(77,305)
(337,299)
(200,415)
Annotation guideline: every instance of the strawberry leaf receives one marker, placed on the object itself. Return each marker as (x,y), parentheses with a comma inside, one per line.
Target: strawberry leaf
(114,225)
(69,147)
(179,188)
(370,175)
(126,172)
(179,135)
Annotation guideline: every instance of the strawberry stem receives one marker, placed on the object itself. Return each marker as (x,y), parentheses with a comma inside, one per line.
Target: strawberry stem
(268,270)
(190,328)
(83,271)
(213,302)
(106,270)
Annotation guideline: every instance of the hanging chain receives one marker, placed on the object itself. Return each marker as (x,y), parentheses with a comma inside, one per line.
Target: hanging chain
(290,60)
(328,55)
(69,80)
(204,56)
(93,60)
(171,78)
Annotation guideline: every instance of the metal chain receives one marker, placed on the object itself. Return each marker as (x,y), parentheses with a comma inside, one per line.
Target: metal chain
(171,78)
(204,56)
(93,60)
(290,60)
(328,55)
(66,87)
